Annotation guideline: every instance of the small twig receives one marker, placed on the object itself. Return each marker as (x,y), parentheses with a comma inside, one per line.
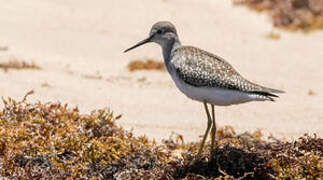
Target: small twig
(245,175)
(28,94)
(221,171)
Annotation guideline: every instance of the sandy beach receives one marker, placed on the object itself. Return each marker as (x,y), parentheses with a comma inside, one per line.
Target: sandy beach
(79,46)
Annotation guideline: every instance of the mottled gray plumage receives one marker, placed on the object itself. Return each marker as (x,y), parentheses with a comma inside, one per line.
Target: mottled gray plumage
(201,68)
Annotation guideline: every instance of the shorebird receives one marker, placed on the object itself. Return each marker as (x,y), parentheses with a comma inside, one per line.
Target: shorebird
(203,76)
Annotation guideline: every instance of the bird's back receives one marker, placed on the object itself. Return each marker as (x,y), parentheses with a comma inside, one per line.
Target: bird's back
(200,68)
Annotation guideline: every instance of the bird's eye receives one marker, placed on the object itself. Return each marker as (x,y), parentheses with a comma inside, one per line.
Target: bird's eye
(159,31)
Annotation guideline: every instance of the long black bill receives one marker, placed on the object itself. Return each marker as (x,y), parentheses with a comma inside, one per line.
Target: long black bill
(139,44)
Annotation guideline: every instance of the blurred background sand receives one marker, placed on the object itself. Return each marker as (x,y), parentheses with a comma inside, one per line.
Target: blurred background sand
(79,45)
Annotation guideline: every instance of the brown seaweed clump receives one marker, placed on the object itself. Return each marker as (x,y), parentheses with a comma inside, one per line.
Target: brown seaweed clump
(52,141)
(306,15)
(148,64)
(15,64)
(247,156)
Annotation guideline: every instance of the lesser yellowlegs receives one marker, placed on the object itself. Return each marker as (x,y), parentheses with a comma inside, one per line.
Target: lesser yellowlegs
(203,76)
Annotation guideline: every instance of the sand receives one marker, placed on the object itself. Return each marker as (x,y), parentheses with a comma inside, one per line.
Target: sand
(79,46)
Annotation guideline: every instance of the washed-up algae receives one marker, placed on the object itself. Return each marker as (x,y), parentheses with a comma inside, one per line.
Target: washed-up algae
(305,15)
(53,141)
(18,65)
(146,64)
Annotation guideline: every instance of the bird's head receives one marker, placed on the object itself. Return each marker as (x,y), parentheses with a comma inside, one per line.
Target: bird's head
(161,33)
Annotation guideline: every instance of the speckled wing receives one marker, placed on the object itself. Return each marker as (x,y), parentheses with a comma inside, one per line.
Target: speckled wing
(200,68)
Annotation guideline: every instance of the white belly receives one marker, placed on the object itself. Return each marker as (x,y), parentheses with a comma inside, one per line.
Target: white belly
(215,96)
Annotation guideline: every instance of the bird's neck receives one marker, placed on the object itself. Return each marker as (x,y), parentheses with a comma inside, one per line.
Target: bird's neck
(168,48)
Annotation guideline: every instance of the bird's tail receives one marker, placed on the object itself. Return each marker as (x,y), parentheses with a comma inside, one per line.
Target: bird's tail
(275,90)
(268,93)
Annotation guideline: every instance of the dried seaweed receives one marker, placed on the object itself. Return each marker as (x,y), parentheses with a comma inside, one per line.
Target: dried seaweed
(52,141)
(147,64)
(306,15)
(15,64)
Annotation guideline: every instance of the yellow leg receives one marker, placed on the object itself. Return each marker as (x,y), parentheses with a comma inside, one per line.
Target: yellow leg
(209,123)
(213,130)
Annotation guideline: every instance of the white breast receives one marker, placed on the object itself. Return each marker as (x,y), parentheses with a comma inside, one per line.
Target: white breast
(212,95)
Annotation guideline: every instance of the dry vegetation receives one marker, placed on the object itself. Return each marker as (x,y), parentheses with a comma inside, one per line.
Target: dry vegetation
(15,64)
(292,15)
(147,64)
(53,141)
